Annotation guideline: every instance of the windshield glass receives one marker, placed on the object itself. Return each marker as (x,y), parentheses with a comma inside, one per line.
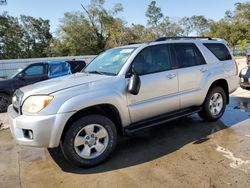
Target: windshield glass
(15,74)
(109,62)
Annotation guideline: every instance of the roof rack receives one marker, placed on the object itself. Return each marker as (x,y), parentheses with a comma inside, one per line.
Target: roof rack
(179,38)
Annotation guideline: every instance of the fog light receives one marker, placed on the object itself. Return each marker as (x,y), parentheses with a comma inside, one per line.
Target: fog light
(28,134)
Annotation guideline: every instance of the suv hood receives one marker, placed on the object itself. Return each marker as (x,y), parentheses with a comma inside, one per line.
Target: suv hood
(61,83)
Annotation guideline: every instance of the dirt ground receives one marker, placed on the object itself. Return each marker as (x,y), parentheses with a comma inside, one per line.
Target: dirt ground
(188,152)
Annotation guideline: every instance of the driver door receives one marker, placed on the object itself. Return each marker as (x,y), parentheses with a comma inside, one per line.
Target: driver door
(159,83)
(33,74)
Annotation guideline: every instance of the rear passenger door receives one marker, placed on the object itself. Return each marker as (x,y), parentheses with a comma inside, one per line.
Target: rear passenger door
(159,83)
(192,71)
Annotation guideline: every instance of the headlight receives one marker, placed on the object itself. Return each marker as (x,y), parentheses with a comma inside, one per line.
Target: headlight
(34,104)
(244,71)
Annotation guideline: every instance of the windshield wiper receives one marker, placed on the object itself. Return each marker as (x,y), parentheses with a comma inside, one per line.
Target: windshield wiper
(101,73)
(95,72)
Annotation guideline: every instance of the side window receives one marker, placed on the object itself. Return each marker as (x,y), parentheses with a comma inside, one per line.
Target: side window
(58,69)
(35,70)
(152,59)
(219,50)
(188,55)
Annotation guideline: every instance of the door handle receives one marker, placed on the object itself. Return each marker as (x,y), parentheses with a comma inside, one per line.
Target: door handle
(171,76)
(203,70)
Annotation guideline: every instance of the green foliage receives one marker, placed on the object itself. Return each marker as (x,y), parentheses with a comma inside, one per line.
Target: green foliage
(235,26)
(26,38)
(36,36)
(200,25)
(153,14)
(11,35)
(243,44)
(242,13)
(89,32)
(186,23)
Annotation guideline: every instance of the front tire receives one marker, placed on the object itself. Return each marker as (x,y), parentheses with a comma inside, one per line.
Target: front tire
(90,141)
(214,105)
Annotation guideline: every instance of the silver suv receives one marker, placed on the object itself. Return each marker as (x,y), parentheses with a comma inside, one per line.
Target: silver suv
(124,90)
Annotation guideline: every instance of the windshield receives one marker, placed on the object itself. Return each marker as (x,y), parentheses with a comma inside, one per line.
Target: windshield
(15,74)
(109,62)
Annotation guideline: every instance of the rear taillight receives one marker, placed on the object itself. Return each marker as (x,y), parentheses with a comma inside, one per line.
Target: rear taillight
(236,66)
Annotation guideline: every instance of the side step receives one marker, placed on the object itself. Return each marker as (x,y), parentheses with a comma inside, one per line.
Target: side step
(160,120)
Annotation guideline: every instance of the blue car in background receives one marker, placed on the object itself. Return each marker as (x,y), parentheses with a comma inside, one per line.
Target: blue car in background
(35,73)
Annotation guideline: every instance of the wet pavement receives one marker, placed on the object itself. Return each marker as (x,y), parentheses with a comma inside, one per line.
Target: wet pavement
(188,152)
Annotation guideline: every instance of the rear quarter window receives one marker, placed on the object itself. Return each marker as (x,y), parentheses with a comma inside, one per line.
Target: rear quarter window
(219,50)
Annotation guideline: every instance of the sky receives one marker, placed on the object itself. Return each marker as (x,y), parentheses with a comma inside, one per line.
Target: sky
(134,11)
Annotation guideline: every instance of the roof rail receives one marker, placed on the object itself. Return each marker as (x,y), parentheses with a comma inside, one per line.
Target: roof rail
(179,38)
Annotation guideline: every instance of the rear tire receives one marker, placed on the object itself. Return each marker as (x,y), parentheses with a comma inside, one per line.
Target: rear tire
(89,141)
(5,101)
(214,105)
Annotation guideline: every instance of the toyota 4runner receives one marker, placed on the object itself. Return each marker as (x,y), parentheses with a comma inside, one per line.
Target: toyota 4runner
(124,90)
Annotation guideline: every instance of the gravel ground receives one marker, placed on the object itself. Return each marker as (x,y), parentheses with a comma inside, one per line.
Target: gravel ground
(4,122)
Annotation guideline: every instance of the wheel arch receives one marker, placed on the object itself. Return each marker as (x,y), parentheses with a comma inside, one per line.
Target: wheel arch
(105,109)
(221,83)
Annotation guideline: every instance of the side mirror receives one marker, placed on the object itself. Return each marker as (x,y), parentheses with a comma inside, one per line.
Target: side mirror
(21,75)
(134,84)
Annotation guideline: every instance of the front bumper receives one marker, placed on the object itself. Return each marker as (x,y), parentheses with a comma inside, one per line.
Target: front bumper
(46,129)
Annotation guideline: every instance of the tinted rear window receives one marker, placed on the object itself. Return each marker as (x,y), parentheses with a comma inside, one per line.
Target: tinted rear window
(188,55)
(219,50)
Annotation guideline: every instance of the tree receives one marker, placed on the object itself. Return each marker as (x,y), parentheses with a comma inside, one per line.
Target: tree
(170,29)
(101,19)
(200,25)
(234,26)
(139,33)
(228,16)
(11,35)
(243,44)
(154,16)
(187,25)
(89,32)
(242,13)
(37,36)
(23,38)
(3,2)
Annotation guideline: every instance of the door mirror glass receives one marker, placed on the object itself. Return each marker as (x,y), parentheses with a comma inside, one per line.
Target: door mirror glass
(134,84)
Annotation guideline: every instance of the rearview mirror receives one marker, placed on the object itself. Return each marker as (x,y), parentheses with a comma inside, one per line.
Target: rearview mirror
(134,84)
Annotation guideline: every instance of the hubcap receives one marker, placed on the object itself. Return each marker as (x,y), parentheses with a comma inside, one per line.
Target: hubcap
(216,104)
(91,141)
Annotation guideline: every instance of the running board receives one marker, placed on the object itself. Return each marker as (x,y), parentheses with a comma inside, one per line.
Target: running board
(160,120)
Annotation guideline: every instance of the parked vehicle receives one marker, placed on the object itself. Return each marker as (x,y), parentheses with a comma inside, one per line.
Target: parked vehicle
(248,58)
(122,91)
(245,78)
(76,65)
(35,73)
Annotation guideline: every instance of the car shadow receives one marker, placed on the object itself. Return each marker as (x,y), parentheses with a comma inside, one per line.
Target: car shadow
(148,145)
